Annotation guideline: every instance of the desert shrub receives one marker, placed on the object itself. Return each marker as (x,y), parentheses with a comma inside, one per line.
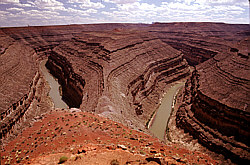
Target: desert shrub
(142,152)
(63,159)
(114,162)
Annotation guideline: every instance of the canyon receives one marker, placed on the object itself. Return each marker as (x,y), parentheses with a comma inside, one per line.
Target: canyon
(216,105)
(122,71)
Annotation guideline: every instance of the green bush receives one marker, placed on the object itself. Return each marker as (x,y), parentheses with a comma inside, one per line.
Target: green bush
(63,159)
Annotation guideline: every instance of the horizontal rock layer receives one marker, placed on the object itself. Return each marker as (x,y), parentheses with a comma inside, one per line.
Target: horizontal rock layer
(21,113)
(199,41)
(110,64)
(215,107)
(118,73)
(122,70)
(10,117)
(17,69)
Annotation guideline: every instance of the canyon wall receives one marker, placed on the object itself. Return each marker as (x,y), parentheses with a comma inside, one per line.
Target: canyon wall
(138,81)
(215,107)
(125,72)
(16,61)
(22,113)
(23,91)
(72,84)
(199,41)
(121,71)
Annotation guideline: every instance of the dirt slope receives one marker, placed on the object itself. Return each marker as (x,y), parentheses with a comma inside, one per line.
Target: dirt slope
(87,138)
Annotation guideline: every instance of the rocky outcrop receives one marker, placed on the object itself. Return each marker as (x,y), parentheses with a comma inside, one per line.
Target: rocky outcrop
(20,114)
(215,107)
(168,70)
(136,82)
(83,60)
(86,138)
(193,54)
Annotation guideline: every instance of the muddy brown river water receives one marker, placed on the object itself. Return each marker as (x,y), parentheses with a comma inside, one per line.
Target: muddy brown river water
(160,121)
(54,87)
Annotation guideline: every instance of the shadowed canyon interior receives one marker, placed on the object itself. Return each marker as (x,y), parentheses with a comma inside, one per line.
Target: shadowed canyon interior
(55,87)
(121,71)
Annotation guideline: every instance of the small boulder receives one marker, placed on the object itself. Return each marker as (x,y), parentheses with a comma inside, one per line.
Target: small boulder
(122,146)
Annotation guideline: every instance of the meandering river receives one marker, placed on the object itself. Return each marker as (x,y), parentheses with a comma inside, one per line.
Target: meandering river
(160,121)
(54,87)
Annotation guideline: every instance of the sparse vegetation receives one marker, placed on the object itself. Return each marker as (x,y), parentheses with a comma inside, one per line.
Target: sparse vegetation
(133,141)
(142,152)
(114,162)
(63,159)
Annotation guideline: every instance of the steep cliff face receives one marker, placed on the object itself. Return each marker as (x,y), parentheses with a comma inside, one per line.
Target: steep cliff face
(72,84)
(22,112)
(83,60)
(23,91)
(138,81)
(122,73)
(215,107)
(125,73)
(167,70)
(16,91)
(16,59)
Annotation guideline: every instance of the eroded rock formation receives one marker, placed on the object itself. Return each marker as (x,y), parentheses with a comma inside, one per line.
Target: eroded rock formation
(121,74)
(124,72)
(121,71)
(16,90)
(72,84)
(199,41)
(216,104)
(22,112)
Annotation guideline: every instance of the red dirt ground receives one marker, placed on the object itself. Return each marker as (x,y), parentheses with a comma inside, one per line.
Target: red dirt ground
(86,138)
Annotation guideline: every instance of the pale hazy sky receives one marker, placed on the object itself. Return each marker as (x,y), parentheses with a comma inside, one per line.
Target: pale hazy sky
(55,12)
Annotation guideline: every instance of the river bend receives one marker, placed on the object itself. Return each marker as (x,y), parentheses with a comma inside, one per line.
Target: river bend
(160,121)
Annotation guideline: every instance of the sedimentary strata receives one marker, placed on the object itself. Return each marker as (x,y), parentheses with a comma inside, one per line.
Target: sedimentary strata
(139,82)
(72,84)
(15,61)
(121,71)
(121,74)
(199,41)
(216,105)
(124,72)
(26,108)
